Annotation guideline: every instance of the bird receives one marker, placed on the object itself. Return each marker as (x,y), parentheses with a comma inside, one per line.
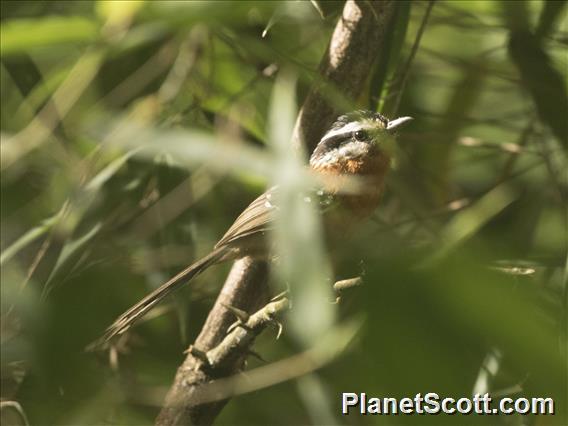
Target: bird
(358,144)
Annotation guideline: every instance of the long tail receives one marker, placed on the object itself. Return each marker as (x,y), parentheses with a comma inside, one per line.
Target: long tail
(127,319)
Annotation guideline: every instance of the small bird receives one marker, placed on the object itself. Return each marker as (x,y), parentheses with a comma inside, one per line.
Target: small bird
(357,144)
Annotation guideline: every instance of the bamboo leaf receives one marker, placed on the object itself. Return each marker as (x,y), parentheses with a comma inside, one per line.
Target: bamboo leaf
(545,84)
(466,223)
(551,12)
(28,238)
(25,35)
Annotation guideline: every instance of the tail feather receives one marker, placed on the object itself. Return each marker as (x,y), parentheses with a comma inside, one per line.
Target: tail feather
(127,319)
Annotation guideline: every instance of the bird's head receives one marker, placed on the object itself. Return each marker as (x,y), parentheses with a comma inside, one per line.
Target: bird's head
(354,141)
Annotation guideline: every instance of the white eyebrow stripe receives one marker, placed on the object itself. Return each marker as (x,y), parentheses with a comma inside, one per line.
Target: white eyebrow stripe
(347,129)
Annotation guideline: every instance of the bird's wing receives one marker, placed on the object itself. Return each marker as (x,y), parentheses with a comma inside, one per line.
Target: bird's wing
(258,217)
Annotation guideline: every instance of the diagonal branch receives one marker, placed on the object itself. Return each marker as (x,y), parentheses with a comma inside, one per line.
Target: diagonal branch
(355,44)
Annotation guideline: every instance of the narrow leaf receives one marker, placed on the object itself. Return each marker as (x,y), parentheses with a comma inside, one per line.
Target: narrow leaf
(545,84)
(23,35)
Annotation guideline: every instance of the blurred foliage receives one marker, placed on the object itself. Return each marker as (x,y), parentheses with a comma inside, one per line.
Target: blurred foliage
(133,133)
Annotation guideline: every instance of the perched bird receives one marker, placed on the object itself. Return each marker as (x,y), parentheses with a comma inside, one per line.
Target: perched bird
(357,144)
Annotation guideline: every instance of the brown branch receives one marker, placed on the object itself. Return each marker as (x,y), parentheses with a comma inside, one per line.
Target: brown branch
(246,289)
(356,42)
(238,341)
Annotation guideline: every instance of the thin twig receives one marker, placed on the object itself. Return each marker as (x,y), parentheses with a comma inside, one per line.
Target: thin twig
(403,76)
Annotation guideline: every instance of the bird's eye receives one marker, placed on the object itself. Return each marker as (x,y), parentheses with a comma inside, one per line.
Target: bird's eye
(360,135)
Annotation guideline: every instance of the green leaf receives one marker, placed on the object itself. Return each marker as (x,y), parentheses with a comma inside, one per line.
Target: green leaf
(466,223)
(298,230)
(29,237)
(545,84)
(118,12)
(68,257)
(24,35)
(551,12)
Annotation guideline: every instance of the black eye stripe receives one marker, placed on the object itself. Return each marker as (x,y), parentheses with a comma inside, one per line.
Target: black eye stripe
(331,143)
(335,141)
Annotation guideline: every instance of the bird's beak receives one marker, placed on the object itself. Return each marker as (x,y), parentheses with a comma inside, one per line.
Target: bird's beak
(393,124)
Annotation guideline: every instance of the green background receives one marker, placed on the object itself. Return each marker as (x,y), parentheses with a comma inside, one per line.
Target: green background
(464,263)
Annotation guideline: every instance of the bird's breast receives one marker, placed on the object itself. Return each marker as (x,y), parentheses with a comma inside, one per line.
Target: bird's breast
(371,170)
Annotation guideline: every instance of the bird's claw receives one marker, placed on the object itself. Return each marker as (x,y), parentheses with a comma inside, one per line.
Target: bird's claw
(242,317)
(239,313)
(279,327)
